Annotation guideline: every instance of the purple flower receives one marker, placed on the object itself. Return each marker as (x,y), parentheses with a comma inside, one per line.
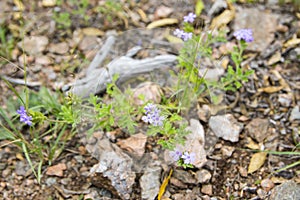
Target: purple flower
(244,34)
(178,33)
(189,18)
(176,154)
(153,115)
(186,36)
(21,111)
(24,117)
(188,158)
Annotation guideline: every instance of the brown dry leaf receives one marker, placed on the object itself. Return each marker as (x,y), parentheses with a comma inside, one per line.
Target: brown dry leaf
(251,144)
(292,42)
(49,3)
(281,80)
(19,156)
(173,39)
(278,180)
(223,19)
(143,15)
(91,31)
(164,185)
(162,22)
(257,160)
(271,89)
(56,170)
(275,58)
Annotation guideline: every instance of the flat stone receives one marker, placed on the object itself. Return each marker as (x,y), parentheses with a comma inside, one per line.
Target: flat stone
(226,127)
(267,184)
(150,182)
(184,176)
(43,60)
(295,114)
(34,45)
(59,48)
(207,189)
(262,23)
(286,191)
(134,144)
(227,151)
(258,129)
(203,176)
(285,100)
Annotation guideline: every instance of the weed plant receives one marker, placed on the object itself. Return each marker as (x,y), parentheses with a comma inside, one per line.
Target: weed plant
(48,120)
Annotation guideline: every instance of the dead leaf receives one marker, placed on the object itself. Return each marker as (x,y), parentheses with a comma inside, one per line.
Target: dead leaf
(275,58)
(49,3)
(143,15)
(271,89)
(199,7)
(56,170)
(173,39)
(223,19)
(251,144)
(292,42)
(162,22)
(164,185)
(91,31)
(257,160)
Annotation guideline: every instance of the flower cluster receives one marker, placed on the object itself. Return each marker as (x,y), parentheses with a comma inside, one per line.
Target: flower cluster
(181,158)
(189,18)
(24,117)
(153,115)
(244,34)
(185,36)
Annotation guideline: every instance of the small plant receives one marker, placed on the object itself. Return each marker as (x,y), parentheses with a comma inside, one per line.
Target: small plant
(184,159)
(62,19)
(6,43)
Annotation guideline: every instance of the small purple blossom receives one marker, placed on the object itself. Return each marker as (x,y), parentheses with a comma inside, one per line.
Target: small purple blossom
(189,18)
(188,158)
(153,115)
(24,117)
(244,34)
(176,154)
(178,33)
(186,36)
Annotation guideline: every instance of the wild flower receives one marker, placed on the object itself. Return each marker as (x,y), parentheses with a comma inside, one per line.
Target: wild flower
(188,158)
(186,36)
(24,117)
(189,18)
(153,115)
(244,34)
(176,154)
(183,35)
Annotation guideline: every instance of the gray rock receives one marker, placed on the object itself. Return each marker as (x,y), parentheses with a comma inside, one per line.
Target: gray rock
(286,191)
(184,176)
(203,176)
(226,127)
(295,114)
(258,129)
(150,182)
(255,19)
(34,45)
(113,164)
(218,6)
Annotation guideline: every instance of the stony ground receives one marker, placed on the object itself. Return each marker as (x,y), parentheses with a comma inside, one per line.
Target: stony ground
(264,114)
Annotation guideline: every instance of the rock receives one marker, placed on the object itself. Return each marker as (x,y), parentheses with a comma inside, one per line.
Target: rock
(56,170)
(217,7)
(255,19)
(134,144)
(207,189)
(34,45)
(162,12)
(227,151)
(59,48)
(267,184)
(184,176)
(258,129)
(150,182)
(295,114)
(151,92)
(43,60)
(204,113)
(285,100)
(88,43)
(203,176)
(194,143)
(113,164)
(226,127)
(287,191)
(22,168)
